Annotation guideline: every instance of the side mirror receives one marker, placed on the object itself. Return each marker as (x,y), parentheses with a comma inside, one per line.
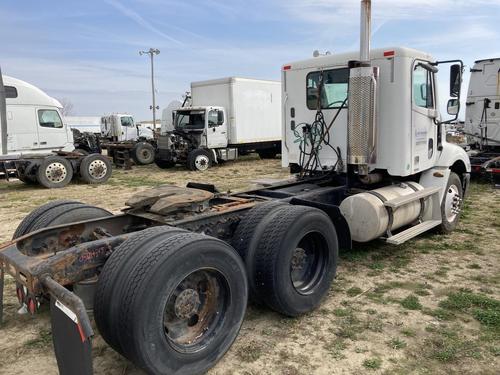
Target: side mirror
(455,80)
(220,118)
(453,107)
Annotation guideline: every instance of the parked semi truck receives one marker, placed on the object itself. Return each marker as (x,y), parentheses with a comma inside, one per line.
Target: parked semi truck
(37,146)
(225,117)
(482,117)
(119,134)
(376,166)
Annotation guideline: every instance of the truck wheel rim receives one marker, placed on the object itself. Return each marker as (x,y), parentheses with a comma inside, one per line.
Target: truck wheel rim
(196,310)
(56,172)
(308,262)
(98,169)
(452,203)
(201,162)
(146,154)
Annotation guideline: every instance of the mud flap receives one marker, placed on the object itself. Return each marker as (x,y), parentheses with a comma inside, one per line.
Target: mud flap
(72,348)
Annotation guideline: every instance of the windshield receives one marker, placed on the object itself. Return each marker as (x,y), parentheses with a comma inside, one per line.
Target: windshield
(190,120)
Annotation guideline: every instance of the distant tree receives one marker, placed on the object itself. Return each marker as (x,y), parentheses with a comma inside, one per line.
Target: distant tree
(67,106)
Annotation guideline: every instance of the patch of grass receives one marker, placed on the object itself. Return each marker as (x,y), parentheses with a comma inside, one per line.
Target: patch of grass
(342,312)
(354,291)
(447,346)
(396,343)
(250,352)
(372,363)
(411,302)
(474,266)
(336,348)
(408,332)
(43,340)
(440,314)
(484,309)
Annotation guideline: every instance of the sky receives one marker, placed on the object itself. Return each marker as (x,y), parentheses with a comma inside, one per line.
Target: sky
(86,52)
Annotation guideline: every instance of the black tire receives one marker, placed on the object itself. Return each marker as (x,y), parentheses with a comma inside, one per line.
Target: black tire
(81,151)
(107,298)
(25,226)
(54,172)
(95,169)
(199,160)
(247,236)
(210,277)
(267,153)
(28,180)
(68,213)
(164,164)
(143,153)
(453,188)
(296,259)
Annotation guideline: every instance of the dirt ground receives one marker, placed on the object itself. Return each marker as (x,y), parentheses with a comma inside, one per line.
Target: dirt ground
(431,306)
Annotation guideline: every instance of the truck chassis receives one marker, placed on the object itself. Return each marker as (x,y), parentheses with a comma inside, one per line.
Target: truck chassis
(45,263)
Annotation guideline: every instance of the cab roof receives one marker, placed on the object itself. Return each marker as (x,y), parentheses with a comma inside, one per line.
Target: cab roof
(27,94)
(343,58)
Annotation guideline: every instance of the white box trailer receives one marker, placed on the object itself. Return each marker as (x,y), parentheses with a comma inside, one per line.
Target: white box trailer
(253,107)
(225,118)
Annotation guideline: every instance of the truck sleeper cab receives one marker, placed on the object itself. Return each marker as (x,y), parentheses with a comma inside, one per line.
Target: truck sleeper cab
(38,144)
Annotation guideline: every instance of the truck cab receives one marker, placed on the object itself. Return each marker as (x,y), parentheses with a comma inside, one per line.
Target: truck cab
(482,117)
(35,123)
(206,124)
(122,128)
(405,139)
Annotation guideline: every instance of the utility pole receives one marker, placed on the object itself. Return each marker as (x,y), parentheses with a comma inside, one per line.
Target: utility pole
(154,107)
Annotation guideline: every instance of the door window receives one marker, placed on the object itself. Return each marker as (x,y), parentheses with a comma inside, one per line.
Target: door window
(127,121)
(214,118)
(422,88)
(334,91)
(49,118)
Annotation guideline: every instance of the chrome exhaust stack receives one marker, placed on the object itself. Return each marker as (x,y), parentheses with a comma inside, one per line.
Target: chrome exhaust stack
(361,128)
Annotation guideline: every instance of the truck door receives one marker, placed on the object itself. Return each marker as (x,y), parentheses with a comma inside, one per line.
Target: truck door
(52,133)
(216,129)
(129,130)
(22,129)
(424,131)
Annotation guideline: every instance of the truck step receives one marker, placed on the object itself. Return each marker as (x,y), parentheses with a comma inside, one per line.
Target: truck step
(409,233)
(405,199)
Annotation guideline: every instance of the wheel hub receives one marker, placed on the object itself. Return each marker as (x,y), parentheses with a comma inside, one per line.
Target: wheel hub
(453,203)
(56,172)
(187,303)
(97,169)
(201,162)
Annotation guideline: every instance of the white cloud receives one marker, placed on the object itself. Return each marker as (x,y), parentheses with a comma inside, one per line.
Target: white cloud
(141,21)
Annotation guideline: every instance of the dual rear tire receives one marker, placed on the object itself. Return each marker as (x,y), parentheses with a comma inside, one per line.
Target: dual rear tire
(171,301)
(290,254)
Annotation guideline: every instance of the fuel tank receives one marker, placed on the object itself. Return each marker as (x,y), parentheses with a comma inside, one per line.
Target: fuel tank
(369,219)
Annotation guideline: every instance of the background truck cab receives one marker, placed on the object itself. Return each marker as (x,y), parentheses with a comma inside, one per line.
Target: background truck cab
(35,121)
(222,119)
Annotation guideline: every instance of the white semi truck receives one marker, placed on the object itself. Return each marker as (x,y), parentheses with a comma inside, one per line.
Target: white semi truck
(119,134)
(225,117)
(482,117)
(363,132)
(37,146)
